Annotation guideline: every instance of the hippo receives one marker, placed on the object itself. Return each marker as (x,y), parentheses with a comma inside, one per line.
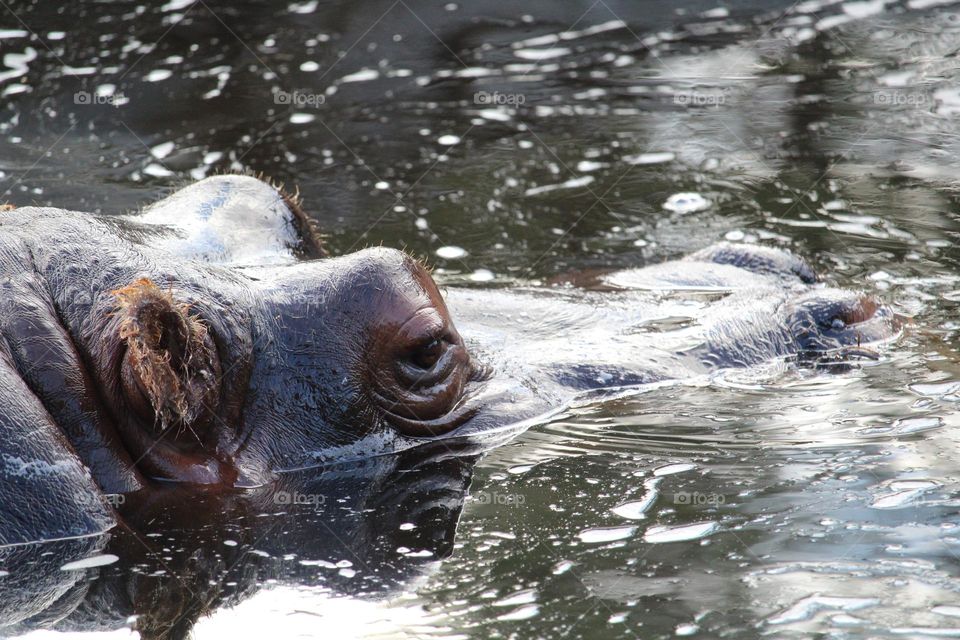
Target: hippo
(209,341)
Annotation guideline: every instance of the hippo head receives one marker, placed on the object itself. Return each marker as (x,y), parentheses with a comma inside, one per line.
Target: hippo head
(204,371)
(209,372)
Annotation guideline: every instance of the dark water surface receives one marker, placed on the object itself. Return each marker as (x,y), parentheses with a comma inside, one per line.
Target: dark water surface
(510,143)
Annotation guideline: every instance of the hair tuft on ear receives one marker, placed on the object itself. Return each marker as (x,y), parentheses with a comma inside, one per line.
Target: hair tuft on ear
(171,370)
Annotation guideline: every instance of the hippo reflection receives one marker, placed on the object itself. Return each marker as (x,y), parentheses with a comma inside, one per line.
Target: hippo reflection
(364,529)
(193,343)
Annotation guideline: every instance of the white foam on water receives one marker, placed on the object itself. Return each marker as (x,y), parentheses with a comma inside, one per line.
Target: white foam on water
(662,534)
(937,389)
(91,562)
(364,75)
(650,158)
(523,613)
(17,63)
(499,115)
(573,183)
(538,41)
(589,165)
(527,596)
(303,7)
(176,5)
(904,493)
(806,608)
(475,72)
(637,509)
(606,534)
(541,54)
(670,469)
(864,9)
(296,611)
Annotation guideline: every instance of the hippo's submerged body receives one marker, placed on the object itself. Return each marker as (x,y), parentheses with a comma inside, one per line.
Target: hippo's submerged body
(194,343)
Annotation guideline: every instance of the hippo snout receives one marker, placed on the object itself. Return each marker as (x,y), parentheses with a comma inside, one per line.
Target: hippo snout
(828,319)
(418,366)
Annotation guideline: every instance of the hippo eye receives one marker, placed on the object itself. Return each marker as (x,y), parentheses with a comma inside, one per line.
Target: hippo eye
(428,354)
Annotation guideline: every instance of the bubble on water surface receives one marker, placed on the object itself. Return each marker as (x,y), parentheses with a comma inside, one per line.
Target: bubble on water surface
(158,75)
(161,150)
(451,252)
(157,170)
(687,202)
(482,275)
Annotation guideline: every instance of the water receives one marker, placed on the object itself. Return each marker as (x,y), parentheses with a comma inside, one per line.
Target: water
(512,144)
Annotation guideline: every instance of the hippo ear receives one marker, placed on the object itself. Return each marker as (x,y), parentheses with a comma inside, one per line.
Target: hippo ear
(170,373)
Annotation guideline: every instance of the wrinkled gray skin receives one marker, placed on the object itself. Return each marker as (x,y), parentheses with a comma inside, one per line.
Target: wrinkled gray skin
(303,345)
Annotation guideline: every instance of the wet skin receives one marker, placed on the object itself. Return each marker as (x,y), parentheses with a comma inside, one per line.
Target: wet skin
(194,343)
